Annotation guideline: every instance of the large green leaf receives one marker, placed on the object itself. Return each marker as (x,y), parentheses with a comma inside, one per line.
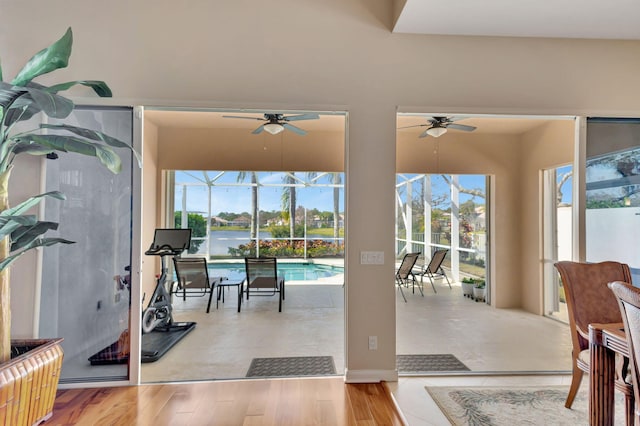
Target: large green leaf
(22,236)
(100,87)
(52,58)
(40,242)
(22,207)
(94,135)
(9,224)
(65,143)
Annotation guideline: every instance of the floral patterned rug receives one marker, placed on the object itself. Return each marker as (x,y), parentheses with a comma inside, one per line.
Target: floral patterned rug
(516,405)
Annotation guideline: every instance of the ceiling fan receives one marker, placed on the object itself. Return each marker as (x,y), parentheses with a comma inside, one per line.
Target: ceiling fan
(276,123)
(437,126)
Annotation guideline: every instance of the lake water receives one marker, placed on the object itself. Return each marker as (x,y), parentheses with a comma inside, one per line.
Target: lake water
(220,241)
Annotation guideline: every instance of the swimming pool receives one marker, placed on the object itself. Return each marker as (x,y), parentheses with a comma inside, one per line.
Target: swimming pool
(294,271)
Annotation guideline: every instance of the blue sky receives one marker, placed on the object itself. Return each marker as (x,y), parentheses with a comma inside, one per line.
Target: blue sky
(237,199)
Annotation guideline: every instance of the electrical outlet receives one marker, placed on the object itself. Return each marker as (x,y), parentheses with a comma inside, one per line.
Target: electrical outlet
(373,343)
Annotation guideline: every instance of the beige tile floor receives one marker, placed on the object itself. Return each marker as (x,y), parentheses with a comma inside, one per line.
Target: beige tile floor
(496,344)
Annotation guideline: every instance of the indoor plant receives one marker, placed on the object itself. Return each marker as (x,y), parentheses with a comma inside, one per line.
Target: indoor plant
(480,290)
(20,100)
(467,286)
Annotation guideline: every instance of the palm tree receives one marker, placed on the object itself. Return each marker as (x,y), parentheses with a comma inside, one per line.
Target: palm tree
(336,180)
(289,201)
(254,200)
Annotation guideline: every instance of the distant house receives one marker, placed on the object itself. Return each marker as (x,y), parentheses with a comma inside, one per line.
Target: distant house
(218,221)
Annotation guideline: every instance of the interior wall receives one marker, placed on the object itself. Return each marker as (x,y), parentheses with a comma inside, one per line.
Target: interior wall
(483,154)
(551,145)
(150,206)
(334,54)
(238,149)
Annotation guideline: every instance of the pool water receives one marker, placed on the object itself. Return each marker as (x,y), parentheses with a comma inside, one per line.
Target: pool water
(298,271)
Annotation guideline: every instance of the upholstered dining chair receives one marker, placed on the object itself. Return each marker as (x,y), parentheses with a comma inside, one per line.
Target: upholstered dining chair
(589,300)
(628,298)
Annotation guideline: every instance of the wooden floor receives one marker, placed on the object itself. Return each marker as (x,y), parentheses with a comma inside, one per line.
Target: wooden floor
(313,401)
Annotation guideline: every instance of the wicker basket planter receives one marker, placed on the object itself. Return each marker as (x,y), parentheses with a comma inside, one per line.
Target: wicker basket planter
(28,383)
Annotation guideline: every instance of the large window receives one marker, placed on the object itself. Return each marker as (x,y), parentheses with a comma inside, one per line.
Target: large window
(443,211)
(238,214)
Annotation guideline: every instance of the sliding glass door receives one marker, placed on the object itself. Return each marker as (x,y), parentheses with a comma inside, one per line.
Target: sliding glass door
(612,216)
(85,296)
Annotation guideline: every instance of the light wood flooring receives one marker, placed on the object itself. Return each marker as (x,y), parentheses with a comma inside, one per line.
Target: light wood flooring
(317,401)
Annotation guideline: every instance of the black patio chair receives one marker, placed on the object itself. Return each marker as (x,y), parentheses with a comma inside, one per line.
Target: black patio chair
(434,269)
(193,279)
(404,275)
(263,279)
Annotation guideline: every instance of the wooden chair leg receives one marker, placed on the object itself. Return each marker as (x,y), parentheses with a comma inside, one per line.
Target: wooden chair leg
(576,379)
(629,408)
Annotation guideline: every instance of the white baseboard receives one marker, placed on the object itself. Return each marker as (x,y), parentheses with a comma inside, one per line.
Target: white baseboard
(370,376)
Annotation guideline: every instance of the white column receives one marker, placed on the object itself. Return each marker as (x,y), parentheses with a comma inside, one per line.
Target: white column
(455,227)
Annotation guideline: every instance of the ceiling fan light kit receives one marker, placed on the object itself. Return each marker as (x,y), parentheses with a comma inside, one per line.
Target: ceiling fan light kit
(273,128)
(436,132)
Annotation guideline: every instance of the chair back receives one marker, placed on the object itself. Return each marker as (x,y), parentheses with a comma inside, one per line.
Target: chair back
(588,297)
(408,262)
(436,260)
(262,272)
(192,273)
(628,298)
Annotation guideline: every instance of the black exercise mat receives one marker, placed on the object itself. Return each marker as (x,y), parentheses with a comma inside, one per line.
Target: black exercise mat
(158,342)
(429,363)
(154,345)
(292,366)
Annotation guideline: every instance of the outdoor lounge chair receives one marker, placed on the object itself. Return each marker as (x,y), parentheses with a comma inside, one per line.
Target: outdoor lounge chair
(263,279)
(193,279)
(404,275)
(434,269)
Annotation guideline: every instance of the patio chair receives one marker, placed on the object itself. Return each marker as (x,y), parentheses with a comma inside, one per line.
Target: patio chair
(263,279)
(628,298)
(589,300)
(434,269)
(193,279)
(404,275)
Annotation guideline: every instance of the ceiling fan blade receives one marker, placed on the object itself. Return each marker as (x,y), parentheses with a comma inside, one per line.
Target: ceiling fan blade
(294,129)
(244,118)
(424,134)
(461,127)
(310,116)
(416,125)
(258,130)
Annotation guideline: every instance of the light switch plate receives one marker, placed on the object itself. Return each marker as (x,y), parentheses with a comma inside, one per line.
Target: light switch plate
(372,258)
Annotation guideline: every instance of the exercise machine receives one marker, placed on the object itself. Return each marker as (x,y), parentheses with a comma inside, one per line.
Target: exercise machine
(166,242)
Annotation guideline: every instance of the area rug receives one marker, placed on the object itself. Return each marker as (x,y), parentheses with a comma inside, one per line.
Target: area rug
(292,366)
(508,406)
(426,363)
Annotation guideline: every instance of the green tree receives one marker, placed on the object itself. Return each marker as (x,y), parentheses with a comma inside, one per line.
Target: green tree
(198,226)
(254,200)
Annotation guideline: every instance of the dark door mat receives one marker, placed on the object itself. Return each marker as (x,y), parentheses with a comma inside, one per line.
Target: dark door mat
(429,363)
(292,366)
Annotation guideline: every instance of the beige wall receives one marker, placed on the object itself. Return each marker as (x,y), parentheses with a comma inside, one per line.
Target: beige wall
(235,149)
(543,148)
(331,55)
(151,188)
(486,154)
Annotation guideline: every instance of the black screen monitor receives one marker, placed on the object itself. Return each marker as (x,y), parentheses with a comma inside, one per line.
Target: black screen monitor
(174,238)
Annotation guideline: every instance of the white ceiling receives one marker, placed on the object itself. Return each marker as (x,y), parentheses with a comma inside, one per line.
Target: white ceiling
(599,19)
